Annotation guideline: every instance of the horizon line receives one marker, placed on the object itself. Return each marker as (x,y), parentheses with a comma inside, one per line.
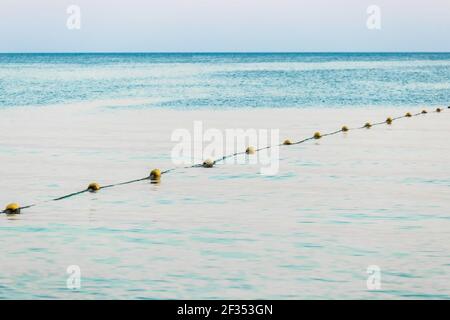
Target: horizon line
(212,52)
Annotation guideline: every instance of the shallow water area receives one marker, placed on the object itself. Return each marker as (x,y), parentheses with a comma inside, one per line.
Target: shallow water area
(338,204)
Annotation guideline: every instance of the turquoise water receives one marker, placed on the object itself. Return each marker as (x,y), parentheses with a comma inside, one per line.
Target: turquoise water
(227,80)
(338,205)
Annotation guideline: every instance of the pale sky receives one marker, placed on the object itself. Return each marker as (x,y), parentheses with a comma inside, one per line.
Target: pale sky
(223,25)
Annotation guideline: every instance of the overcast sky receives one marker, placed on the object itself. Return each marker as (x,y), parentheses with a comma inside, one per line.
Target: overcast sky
(224,25)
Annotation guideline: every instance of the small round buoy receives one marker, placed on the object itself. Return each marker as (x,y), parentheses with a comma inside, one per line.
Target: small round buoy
(317,135)
(367,125)
(389,120)
(438,110)
(424,111)
(93,187)
(344,129)
(287,142)
(408,115)
(208,163)
(155,175)
(250,150)
(12,208)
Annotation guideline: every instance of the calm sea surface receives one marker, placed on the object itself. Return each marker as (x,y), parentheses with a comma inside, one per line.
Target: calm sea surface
(227,80)
(339,207)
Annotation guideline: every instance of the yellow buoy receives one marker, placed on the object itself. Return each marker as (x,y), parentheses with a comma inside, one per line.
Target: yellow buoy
(12,208)
(287,142)
(424,111)
(408,115)
(93,187)
(317,135)
(250,150)
(344,129)
(155,175)
(208,163)
(438,110)
(367,125)
(389,120)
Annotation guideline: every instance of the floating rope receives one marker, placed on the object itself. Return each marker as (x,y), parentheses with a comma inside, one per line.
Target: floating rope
(155,174)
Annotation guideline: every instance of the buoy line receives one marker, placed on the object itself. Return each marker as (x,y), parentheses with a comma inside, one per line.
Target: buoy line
(156,174)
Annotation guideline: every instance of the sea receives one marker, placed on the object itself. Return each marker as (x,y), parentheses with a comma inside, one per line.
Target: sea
(357,215)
